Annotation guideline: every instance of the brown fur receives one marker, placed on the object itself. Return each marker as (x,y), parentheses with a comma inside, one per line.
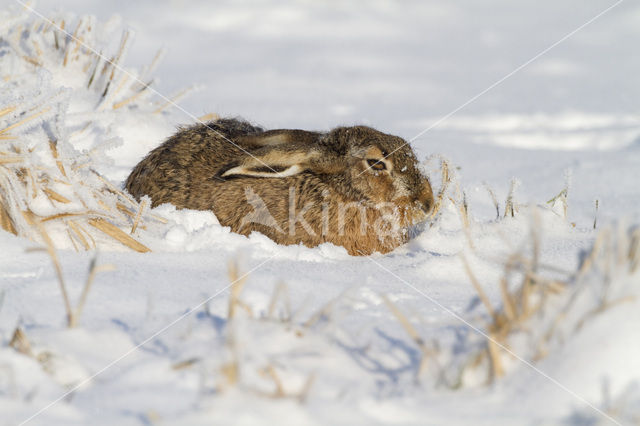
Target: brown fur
(234,169)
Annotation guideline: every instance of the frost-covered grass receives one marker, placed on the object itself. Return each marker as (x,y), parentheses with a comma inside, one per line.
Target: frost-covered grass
(59,101)
(213,327)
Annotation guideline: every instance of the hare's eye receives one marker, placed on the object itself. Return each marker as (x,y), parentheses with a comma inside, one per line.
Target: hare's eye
(376,164)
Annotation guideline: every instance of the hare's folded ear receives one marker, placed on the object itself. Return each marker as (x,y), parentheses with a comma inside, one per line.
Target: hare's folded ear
(271,162)
(280,138)
(281,153)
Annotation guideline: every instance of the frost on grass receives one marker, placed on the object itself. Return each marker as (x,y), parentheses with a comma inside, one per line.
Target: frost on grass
(59,102)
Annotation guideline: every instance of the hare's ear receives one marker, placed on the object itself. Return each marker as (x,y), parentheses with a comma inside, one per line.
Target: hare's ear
(271,163)
(280,138)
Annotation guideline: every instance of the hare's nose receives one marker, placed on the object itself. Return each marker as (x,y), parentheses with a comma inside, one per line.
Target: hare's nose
(425,198)
(427,205)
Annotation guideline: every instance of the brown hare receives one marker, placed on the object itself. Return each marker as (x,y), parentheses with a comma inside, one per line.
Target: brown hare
(353,186)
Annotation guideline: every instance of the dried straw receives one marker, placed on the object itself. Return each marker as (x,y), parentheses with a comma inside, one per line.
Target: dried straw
(446,180)
(25,120)
(237,285)
(20,343)
(34,221)
(118,234)
(411,331)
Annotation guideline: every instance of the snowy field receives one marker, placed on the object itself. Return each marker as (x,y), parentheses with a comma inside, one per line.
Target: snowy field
(517,303)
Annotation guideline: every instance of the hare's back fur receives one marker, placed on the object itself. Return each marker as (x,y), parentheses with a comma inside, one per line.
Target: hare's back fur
(181,168)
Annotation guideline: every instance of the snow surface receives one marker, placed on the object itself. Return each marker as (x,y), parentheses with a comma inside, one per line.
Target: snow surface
(336,347)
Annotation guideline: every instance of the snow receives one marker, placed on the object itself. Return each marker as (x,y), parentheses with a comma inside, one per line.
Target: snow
(315,338)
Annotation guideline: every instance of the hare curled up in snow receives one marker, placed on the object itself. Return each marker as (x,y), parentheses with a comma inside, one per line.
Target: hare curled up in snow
(352,186)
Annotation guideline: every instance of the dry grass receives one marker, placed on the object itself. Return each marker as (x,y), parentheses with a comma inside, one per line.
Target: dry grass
(118,234)
(94,269)
(230,371)
(280,294)
(538,307)
(51,251)
(444,186)
(73,314)
(493,198)
(510,208)
(562,196)
(173,99)
(23,121)
(520,301)
(19,340)
(237,285)
(426,353)
(90,210)
(20,343)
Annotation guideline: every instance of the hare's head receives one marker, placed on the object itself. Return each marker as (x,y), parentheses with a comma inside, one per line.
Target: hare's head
(383,169)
